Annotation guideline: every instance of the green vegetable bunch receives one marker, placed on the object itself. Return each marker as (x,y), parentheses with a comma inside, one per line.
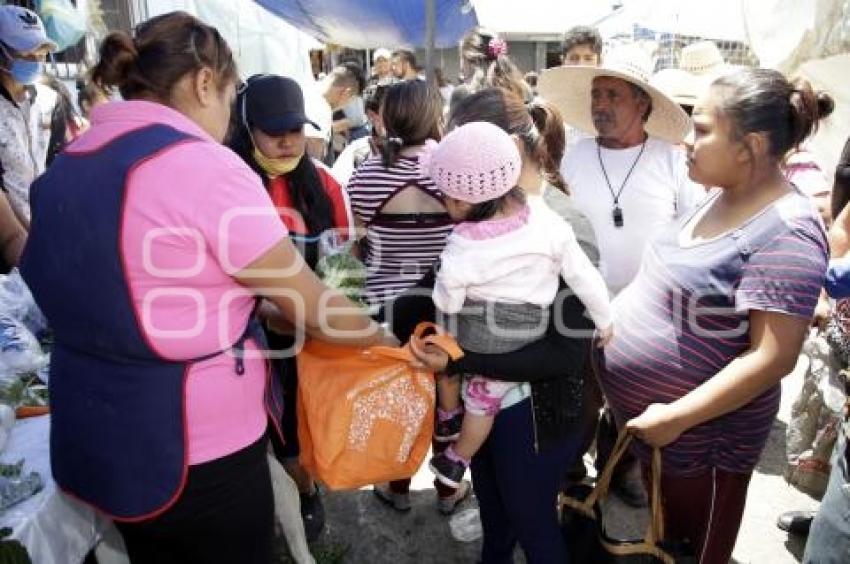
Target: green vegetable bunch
(25,391)
(343,272)
(12,551)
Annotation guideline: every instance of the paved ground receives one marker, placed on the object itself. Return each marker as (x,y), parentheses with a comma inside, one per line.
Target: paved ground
(361,530)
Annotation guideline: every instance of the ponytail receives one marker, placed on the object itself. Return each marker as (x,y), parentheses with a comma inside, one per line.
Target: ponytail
(390,148)
(808,108)
(118,55)
(549,150)
(503,73)
(804,112)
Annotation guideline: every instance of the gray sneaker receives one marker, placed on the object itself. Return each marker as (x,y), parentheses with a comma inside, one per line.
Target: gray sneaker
(447,505)
(398,501)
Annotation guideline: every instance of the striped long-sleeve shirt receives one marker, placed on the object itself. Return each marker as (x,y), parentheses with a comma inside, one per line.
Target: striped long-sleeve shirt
(685,317)
(399,249)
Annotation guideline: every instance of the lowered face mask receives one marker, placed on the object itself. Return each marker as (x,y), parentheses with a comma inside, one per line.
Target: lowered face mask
(276,167)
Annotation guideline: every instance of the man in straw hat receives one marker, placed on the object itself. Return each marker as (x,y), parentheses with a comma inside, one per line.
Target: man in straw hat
(629,179)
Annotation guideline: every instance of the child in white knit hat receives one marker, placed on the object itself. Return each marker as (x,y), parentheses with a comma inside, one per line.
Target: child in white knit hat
(498,275)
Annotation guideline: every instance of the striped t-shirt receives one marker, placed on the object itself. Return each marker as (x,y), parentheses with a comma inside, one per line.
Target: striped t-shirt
(400,249)
(685,317)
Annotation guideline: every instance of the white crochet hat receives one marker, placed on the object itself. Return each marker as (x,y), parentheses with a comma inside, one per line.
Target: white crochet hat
(475,163)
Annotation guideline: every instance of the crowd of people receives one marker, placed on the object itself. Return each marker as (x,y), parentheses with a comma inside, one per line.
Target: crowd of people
(613,249)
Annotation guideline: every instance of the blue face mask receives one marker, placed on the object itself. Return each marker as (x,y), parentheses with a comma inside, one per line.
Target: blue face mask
(26,72)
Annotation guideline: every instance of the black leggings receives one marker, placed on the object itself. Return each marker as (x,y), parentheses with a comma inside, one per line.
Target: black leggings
(224,515)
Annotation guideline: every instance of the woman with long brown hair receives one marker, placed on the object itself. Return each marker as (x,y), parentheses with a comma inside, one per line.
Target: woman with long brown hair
(405,223)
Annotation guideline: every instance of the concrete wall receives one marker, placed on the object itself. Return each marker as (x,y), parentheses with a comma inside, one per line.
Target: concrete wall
(523,54)
(446,59)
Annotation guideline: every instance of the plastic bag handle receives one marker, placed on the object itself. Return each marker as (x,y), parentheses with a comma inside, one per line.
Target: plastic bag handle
(655,529)
(603,482)
(441,339)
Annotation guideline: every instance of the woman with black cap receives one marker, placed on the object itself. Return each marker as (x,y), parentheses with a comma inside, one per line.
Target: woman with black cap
(269,137)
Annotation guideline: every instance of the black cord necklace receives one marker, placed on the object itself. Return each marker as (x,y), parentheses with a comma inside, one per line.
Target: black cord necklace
(617,212)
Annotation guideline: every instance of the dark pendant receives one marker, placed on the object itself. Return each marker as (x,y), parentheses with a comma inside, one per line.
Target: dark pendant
(618,216)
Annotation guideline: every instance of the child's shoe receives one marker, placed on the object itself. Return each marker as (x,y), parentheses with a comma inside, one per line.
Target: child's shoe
(448,471)
(447,505)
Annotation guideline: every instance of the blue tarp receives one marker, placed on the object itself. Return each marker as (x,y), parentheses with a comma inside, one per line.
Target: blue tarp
(367,24)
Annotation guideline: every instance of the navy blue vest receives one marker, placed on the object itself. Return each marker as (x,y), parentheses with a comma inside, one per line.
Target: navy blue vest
(118,416)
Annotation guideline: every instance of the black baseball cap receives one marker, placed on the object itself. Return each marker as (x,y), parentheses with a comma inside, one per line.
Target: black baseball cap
(274,104)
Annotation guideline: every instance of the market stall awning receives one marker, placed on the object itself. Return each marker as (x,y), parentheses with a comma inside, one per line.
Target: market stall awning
(367,24)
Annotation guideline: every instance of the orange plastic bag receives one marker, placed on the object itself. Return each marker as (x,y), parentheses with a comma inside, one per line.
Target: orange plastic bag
(365,415)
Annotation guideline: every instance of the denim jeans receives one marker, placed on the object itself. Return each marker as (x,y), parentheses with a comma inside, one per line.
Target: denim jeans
(829,538)
(517,490)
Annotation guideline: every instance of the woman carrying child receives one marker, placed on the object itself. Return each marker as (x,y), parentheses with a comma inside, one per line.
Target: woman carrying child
(499,273)
(518,471)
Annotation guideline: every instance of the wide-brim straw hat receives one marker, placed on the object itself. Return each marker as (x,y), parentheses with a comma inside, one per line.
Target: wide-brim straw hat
(700,64)
(703,58)
(683,87)
(568,88)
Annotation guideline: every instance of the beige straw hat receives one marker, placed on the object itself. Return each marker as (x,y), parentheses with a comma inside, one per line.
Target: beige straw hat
(683,87)
(700,64)
(703,58)
(569,87)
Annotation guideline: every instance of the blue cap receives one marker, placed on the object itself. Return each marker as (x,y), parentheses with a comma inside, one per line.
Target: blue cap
(22,30)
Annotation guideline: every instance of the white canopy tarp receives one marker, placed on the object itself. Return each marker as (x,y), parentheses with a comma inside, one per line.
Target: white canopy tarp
(715,19)
(261,43)
(786,33)
(808,38)
(538,17)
